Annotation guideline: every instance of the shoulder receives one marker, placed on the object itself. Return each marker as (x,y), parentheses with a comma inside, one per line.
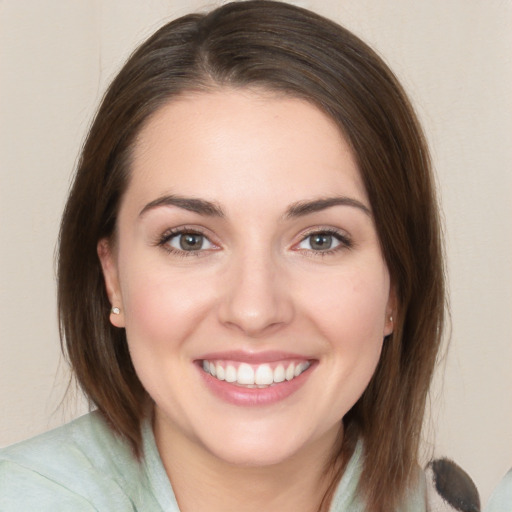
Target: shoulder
(501,499)
(348,498)
(81,466)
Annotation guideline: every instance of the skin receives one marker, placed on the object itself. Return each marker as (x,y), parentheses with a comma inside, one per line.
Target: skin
(256,284)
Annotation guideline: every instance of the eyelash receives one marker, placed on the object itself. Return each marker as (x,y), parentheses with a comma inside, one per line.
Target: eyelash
(167,236)
(344,242)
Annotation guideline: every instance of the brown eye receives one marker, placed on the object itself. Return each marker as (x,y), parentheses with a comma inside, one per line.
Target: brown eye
(324,241)
(320,241)
(189,242)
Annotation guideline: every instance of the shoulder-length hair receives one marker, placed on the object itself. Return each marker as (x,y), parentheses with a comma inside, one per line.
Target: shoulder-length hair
(289,50)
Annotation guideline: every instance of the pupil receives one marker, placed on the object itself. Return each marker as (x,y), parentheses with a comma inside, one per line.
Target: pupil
(190,242)
(320,242)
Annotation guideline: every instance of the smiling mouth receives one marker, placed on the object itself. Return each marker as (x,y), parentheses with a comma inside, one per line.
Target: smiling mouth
(255,376)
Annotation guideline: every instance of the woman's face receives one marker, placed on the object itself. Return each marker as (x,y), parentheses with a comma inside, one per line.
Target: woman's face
(249,275)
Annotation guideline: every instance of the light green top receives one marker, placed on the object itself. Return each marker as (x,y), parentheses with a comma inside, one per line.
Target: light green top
(501,499)
(83,467)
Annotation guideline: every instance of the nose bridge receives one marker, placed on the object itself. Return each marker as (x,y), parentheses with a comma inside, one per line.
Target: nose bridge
(256,300)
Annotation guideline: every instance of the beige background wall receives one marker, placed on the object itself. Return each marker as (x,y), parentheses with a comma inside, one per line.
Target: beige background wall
(455,59)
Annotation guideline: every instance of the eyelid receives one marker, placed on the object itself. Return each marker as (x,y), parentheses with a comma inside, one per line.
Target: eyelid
(340,235)
(163,239)
(177,238)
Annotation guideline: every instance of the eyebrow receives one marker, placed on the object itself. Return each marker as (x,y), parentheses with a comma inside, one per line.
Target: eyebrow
(306,207)
(210,209)
(200,206)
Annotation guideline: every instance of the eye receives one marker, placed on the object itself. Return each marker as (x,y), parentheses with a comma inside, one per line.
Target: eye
(186,241)
(323,241)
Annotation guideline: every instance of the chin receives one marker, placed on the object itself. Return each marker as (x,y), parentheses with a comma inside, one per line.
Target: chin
(265,445)
(254,455)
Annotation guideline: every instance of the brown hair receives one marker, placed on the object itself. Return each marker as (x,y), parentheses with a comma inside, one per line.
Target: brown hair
(283,48)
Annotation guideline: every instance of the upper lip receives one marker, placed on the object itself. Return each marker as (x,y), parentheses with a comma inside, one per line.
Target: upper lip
(268,356)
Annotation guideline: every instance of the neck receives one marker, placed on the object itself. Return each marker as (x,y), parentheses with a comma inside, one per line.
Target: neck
(202,481)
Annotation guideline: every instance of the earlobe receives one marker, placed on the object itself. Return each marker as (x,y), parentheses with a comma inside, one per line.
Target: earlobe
(108,262)
(389,326)
(389,323)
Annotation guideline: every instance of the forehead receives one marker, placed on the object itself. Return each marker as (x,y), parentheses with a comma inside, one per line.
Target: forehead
(242,142)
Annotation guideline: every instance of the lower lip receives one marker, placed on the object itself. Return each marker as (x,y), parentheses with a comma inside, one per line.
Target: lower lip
(239,395)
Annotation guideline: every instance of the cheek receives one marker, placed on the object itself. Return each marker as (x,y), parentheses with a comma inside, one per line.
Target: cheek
(351,318)
(349,310)
(352,305)
(161,307)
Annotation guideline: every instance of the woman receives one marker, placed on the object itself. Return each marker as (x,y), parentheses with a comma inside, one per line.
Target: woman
(250,280)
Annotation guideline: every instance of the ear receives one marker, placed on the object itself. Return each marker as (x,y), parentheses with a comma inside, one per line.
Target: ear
(391,308)
(108,260)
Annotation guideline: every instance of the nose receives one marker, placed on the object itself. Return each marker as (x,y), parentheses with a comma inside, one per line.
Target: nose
(256,300)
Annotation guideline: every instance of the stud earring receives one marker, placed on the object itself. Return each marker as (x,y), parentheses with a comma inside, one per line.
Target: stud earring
(115,310)
(391,319)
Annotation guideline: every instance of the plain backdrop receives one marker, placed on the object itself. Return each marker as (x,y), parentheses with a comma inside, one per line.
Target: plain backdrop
(454,57)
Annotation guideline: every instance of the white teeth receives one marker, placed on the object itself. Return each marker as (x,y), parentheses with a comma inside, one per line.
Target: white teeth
(245,374)
(221,373)
(260,376)
(230,373)
(279,375)
(298,369)
(264,375)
